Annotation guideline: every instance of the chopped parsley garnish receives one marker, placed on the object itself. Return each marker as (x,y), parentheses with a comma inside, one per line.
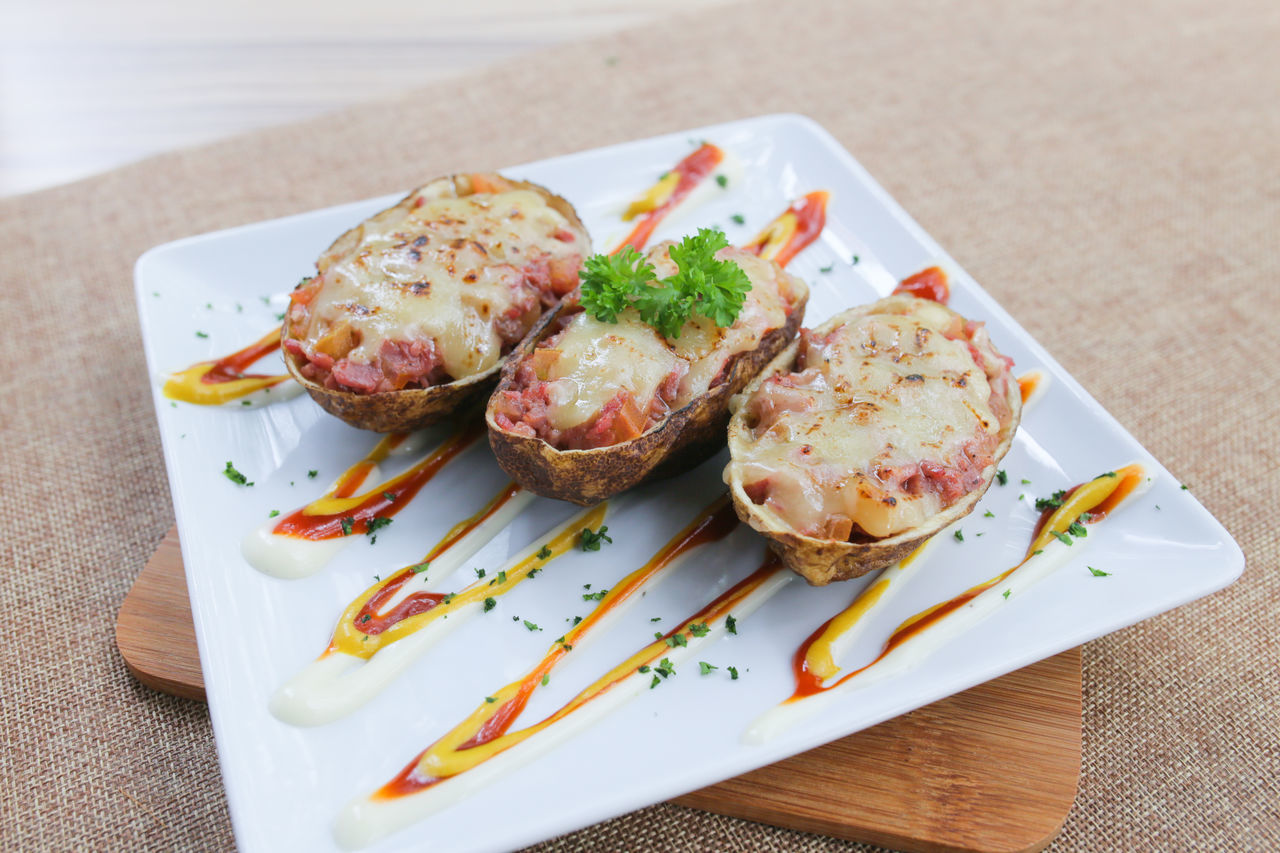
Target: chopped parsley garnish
(731,624)
(733,673)
(1184,486)
(419,567)
(546,679)
(312,473)
(1106,474)
(491,699)
(373,525)
(346,526)
(246,402)
(531,626)
(235,476)
(490,603)
(644,668)
(365,618)
(200,334)
(705,285)
(595,596)
(1051,502)
(1025,481)
(705,667)
(449,597)
(665,667)
(1037,551)
(590,540)
(699,629)
(544,553)
(656,619)
(1098,573)
(479,573)
(828,268)
(988,514)
(738,219)
(959,535)
(722,180)
(1077,529)
(576,620)
(389,496)
(1005,594)
(656,681)
(273,513)
(677,640)
(1061,537)
(1001,477)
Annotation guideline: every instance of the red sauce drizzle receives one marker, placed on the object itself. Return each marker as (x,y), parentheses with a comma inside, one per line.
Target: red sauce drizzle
(810,212)
(692,171)
(377,505)
(368,620)
(808,683)
(232,366)
(709,528)
(927,284)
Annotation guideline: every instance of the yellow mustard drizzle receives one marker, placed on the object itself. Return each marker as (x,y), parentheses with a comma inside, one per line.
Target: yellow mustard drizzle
(820,659)
(775,235)
(1086,497)
(444,758)
(654,197)
(189,386)
(354,476)
(349,639)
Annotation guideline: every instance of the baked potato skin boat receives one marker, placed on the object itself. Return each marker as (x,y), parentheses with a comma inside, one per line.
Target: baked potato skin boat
(408,408)
(685,437)
(823,559)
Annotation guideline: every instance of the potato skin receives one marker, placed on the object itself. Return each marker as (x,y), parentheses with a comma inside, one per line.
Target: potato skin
(414,408)
(687,437)
(821,561)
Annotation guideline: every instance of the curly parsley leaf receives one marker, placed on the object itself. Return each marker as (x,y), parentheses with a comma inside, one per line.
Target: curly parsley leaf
(703,284)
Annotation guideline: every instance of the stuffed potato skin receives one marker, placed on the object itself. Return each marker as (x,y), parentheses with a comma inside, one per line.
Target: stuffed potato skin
(821,559)
(423,400)
(682,438)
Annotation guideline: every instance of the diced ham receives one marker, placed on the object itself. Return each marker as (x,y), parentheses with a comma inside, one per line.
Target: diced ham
(364,378)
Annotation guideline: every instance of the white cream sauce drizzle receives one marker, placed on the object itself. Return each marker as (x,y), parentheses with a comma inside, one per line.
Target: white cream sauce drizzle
(916,649)
(333,686)
(364,820)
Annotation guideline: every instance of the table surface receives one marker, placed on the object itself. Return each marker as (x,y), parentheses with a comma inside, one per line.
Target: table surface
(87,86)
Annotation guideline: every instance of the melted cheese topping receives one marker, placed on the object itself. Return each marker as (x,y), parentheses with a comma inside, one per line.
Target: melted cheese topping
(879,395)
(597,360)
(440,269)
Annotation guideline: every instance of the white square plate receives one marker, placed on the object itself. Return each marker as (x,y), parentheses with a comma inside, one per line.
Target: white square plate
(285,785)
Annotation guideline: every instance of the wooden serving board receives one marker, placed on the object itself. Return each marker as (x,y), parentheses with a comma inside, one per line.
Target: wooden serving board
(990,769)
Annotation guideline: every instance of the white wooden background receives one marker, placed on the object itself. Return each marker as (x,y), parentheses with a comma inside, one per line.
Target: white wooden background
(86,85)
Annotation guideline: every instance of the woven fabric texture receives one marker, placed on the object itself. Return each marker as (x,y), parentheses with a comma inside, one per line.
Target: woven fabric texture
(1109,171)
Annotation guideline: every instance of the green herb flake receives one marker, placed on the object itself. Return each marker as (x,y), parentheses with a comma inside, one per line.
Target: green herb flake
(988,514)
(390,497)
(699,629)
(677,640)
(1025,481)
(1098,573)
(312,473)
(246,402)
(722,180)
(828,268)
(1001,477)
(273,513)
(235,476)
(544,553)
(491,699)
(656,681)
(1077,530)
(200,334)
(373,525)
(656,619)
(854,260)
(959,535)
(576,620)
(705,668)
(644,668)
(546,679)
(347,524)
(666,667)
(595,596)
(731,624)
(479,573)
(738,219)
(490,603)
(1005,594)
(590,540)
(733,673)
(531,626)
(1061,537)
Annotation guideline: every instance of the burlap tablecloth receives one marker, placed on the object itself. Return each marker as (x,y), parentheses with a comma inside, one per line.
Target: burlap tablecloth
(1109,171)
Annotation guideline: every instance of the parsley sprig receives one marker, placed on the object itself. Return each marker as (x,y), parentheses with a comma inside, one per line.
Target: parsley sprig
(703,285)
